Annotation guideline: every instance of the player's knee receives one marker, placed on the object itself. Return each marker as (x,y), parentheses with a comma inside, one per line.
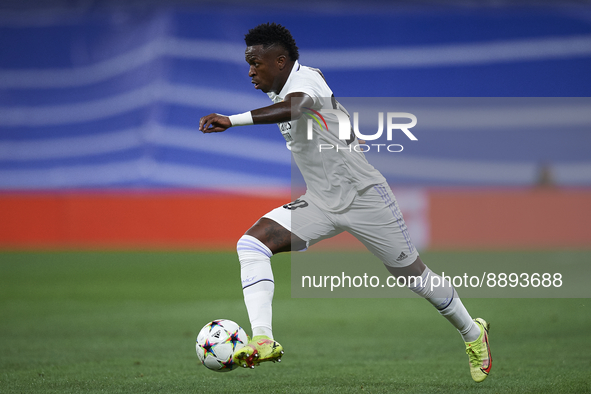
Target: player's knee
(416,268)
(249,247)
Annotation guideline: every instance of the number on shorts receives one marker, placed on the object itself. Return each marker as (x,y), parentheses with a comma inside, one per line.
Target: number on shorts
(296,204)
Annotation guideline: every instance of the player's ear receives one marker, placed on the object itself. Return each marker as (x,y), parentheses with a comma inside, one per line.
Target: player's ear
(281,61)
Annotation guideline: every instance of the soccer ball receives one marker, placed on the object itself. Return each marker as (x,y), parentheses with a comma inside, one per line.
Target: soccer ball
(217,342)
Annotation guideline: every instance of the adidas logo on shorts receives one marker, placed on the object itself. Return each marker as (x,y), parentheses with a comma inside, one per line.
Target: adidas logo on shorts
(401,257)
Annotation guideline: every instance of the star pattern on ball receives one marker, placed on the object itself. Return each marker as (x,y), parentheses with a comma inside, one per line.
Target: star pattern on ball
(214,324)
(208,348)
(234,338)
(227,364)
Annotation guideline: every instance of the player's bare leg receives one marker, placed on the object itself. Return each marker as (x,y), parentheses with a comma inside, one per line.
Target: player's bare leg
(255,249)
(275,237)
(441,294)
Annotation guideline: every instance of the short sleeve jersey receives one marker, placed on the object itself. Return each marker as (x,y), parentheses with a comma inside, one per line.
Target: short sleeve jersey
(333,176)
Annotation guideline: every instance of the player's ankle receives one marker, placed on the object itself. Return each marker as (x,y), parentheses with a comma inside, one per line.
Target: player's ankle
(471,334)
(265,331)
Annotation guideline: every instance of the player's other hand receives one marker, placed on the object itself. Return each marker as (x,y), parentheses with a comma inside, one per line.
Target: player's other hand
(214,123)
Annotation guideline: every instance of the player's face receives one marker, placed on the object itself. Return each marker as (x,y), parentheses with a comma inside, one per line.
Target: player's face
(265,67)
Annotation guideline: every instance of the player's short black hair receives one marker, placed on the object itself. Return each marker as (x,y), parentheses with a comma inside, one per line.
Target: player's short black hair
(267,34)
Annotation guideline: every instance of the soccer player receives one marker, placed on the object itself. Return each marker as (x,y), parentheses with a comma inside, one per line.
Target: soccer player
(344,193)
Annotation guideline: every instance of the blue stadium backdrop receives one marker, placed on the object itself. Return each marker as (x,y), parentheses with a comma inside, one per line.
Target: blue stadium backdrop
(111,97)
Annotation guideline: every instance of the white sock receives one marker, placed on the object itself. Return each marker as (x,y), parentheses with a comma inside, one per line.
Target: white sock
(441,294)
(258,285)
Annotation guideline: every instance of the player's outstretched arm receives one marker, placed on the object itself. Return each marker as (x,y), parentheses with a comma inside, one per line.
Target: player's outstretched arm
(276,113)
(214,123)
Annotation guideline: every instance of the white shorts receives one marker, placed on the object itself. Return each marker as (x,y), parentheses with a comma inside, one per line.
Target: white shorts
(373,217)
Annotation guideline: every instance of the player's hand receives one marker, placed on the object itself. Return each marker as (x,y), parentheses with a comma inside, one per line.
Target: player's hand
(214,123)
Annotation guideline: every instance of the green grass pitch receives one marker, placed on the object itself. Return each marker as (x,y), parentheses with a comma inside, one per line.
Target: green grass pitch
(126,322)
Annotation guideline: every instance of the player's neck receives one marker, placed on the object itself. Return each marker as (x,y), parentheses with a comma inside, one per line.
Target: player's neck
(282,77)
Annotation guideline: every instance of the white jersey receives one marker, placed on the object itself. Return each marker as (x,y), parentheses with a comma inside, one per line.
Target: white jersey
(333,176)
